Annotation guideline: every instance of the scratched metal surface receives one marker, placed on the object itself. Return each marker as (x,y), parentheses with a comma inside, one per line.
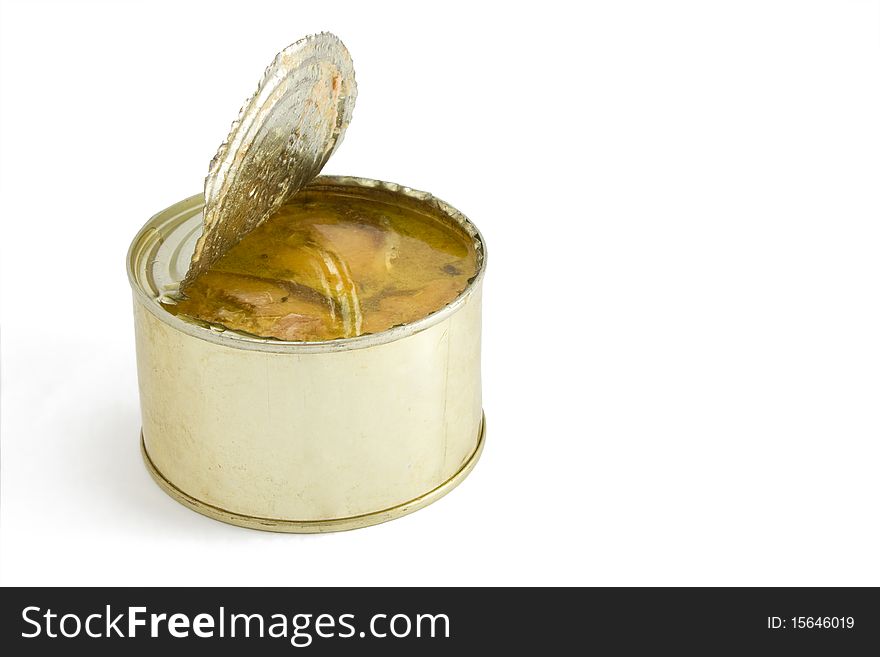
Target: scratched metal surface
(283,136)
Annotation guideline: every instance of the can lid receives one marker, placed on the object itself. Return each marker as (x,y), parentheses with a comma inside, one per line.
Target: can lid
(283,136)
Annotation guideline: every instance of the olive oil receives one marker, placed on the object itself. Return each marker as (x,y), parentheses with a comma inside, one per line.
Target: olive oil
(332,266)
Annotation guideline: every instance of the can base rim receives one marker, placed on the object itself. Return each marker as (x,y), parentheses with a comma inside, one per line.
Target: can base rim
(315,526)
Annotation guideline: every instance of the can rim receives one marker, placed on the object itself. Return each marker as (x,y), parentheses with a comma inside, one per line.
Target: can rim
(236,340)
(322,525)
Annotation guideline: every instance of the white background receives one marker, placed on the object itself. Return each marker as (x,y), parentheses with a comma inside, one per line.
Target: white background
(682,329)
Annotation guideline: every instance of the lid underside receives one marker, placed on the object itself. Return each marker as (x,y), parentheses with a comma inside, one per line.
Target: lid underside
(284,135)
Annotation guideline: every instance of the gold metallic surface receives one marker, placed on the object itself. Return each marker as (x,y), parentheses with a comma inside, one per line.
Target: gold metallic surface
(282,138)
(327,435)
(315,526)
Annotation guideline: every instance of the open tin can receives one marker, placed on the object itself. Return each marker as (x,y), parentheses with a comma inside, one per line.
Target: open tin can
(304,436)
(299,436)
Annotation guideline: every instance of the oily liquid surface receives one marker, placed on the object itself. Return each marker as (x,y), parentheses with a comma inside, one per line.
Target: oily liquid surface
(330,266)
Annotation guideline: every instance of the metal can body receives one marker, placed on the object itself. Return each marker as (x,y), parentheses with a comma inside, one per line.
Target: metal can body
(305,437)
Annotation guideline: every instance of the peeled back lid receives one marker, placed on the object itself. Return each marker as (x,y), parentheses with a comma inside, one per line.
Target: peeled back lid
(283,136)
